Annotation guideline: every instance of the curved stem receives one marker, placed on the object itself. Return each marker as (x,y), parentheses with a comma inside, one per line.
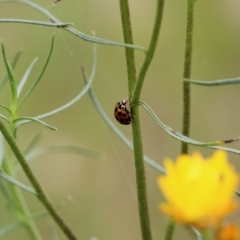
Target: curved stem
(187,72)
(150,52)
(33,22)
(40,192)
(73,30)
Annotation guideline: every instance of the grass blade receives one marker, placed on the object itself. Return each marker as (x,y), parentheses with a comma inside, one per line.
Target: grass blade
(11,77)
(25,77)
(17,183)
(13,64)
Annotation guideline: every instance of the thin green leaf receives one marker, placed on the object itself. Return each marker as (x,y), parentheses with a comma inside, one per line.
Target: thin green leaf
(6,194)
(34,22)
(13,226)
(11,76)
(67,149)
(54,235)
(39,76)
(9,228)
(5,107)
(215,82)
(81,94)
(13,64)
(24,120)
(60,149)
(17,183)
(25,77)
(72,30)
(102,41)
(185,139)
(5,118)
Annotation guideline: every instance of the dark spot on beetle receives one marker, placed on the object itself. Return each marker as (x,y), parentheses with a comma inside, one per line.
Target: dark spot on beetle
(124,115)
(119,114)
(121,120)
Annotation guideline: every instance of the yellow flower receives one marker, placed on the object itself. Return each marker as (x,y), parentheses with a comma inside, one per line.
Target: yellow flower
(199,191)
(228,232)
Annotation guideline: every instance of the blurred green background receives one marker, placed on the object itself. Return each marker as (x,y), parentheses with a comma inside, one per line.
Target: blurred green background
(99,195)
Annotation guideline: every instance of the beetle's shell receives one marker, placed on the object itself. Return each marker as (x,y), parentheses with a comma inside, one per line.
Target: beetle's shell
(122,112)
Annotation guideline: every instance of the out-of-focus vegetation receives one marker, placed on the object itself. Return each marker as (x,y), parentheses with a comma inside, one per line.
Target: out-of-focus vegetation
(99,195)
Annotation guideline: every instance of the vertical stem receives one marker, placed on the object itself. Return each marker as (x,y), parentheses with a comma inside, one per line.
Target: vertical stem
(134,92)
(136,129)
(170,229)
(140,176)
(129,52)
(187,72)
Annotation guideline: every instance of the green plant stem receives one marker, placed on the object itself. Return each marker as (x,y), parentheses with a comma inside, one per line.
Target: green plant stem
(169,230)
(41,194)
(20,207)
(26,21)
(129,52)
(150,52)
(136,130)
(140,176)
(187,72)
(136,127)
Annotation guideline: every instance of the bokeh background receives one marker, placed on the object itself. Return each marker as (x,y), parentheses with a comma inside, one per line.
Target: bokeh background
(99,195)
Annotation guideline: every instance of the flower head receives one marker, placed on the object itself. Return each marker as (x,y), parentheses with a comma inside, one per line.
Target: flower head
(199,191)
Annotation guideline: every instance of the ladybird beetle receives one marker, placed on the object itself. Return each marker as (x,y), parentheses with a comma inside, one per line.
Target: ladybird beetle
(122,112)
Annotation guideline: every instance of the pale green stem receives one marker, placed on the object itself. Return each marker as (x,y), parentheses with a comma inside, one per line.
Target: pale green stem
(40,192)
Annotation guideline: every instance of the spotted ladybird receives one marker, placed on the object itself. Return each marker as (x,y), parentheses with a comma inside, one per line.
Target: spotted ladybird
(122,112)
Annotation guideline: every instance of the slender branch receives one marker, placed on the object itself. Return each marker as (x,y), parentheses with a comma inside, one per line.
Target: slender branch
(40,192)
(73,30)
(34,22)
(129,52)
(214,83)
(187,72)
(150,52)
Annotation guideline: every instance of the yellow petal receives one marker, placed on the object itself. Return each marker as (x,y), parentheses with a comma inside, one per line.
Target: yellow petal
(199,191)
